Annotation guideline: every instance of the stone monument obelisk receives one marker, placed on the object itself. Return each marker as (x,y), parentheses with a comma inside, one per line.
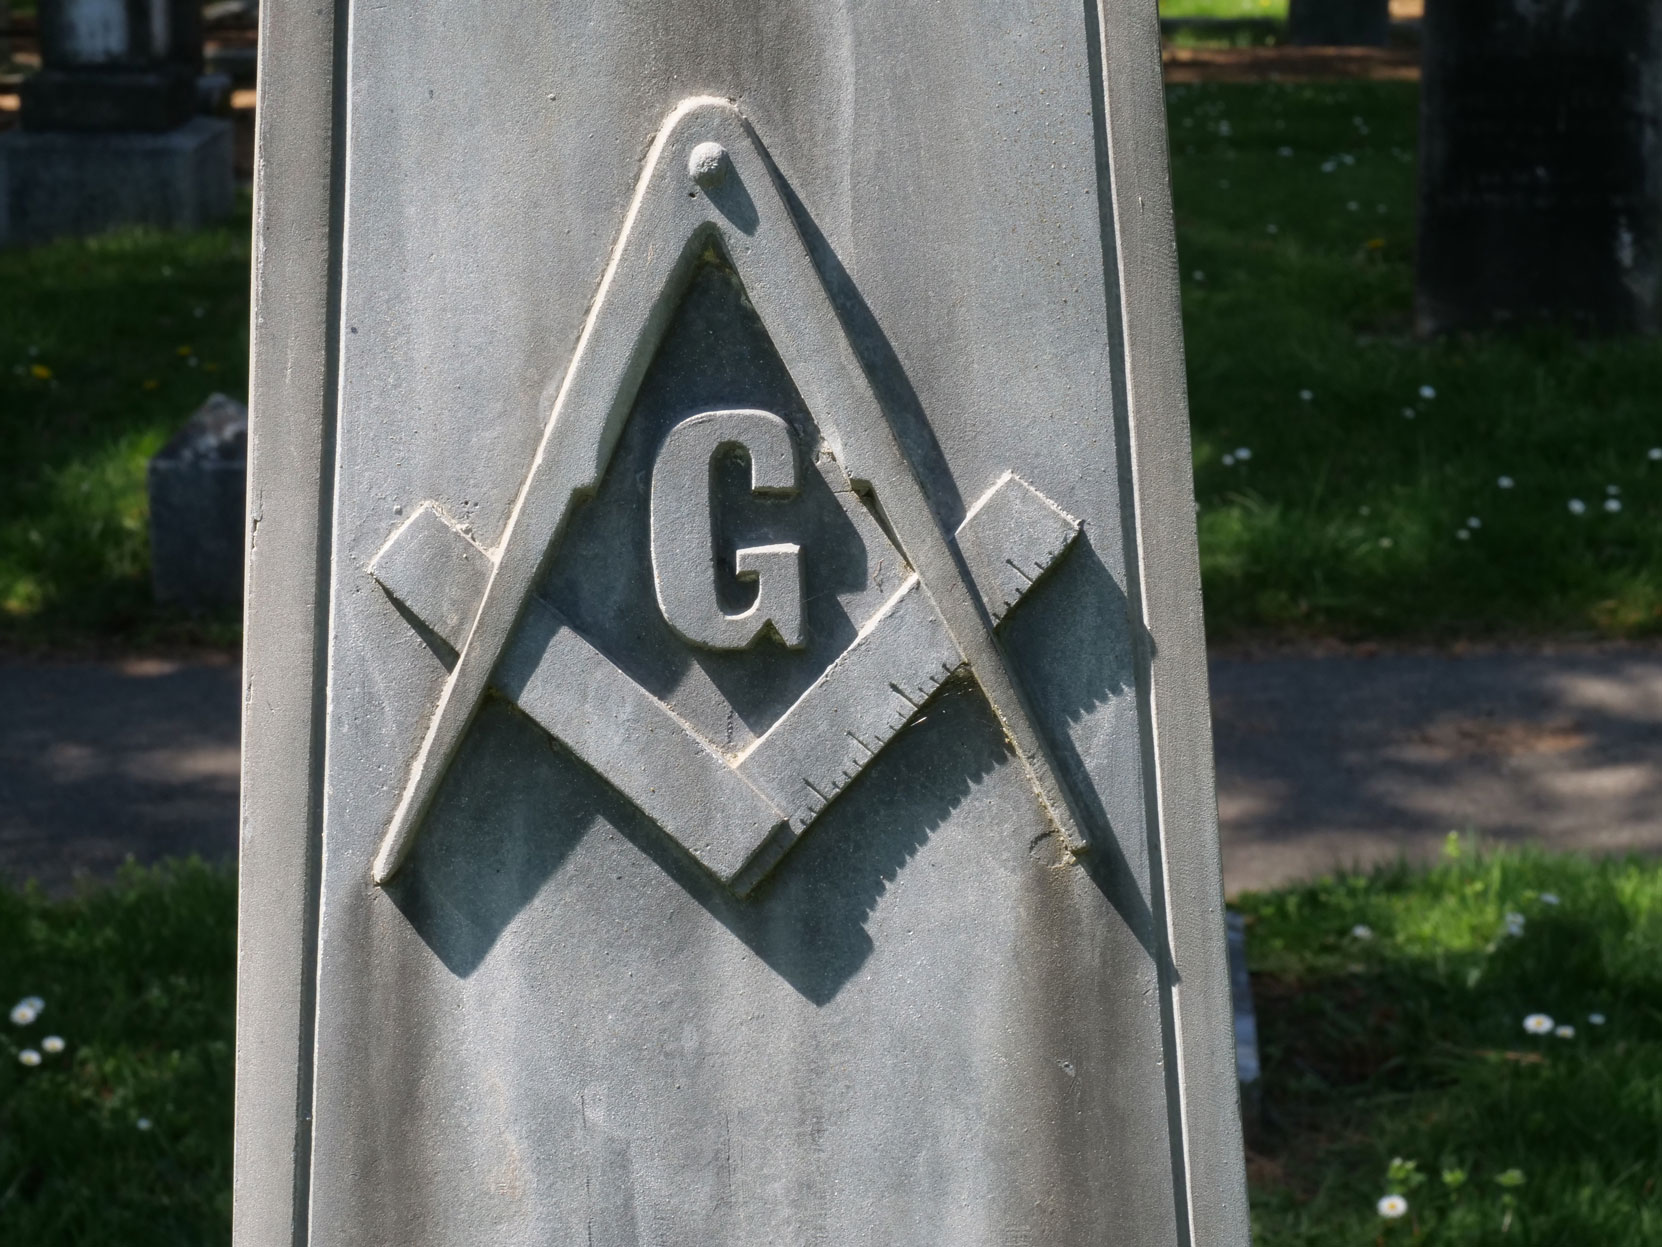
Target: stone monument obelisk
(727,756)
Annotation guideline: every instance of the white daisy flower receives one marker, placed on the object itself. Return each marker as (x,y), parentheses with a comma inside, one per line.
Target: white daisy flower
(1505,482)
(1347,158)
(1200,274)
(1596,1019)
(28,1057)
(1243,453)
(1385,543)
(1229,461)
(1612,490)
(1353,206)
(52,1045)
(1272,228)
(1538,1024)
(1307,395)
(24,1014)
(1428,391)
(1329,165)
(1462,534)
(1612,505)
(1564,1031)
(1549,898)
(1224,130)
(1283,151)
(1361,931)
(1577,507)
(35,1003)
(143,1123)
(1655,452)
(1473,522)
(1514,924)
(1392,1206)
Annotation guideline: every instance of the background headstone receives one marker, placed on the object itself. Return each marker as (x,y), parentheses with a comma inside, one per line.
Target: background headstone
(1339,23)
(726,754)
(198,507)
(1248,1070)
(1540,165)
(110,134)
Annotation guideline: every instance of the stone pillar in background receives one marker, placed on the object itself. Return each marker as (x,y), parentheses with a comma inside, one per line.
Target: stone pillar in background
(110,134)
(1540,165)
(1339,23)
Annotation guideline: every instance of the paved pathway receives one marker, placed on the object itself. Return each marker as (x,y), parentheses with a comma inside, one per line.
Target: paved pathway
(1335,761)
(102,760)
(1322,762)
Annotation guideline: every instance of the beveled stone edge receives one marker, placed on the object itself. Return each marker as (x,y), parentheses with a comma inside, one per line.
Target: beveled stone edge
(1140,249)
(298,211)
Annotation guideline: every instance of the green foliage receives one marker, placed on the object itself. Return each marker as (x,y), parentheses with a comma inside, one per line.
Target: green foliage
(1346,519)
(106,347)
(123,1137)
(1224,8)
(1391,1012)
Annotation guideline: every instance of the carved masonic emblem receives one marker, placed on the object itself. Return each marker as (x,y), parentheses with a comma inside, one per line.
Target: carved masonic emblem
(929,605)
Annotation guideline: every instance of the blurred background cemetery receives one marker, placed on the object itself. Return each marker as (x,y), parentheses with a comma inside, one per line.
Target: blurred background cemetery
(1432,560)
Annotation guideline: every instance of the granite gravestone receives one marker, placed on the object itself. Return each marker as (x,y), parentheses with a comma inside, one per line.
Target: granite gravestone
(109,134)
(198,498)
(1540,165)
(1339,23)
(727,753)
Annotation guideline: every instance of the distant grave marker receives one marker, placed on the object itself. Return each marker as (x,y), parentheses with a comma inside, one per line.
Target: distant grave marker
(198,505)
(727,756)
(1540,157)
(109,133)
(1339,23)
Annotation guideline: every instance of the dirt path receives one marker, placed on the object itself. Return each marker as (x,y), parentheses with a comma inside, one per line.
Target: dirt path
(1288,64)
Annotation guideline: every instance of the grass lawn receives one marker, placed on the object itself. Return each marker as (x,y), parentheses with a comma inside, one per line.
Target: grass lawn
(123,1138)
(1399,1062)
(1373,508)
(1375,501)
(1407,1046)
(1224,8)
(106,346)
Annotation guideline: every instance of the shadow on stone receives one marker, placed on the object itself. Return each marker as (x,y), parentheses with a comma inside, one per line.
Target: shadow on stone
(515,810)
(1066,614)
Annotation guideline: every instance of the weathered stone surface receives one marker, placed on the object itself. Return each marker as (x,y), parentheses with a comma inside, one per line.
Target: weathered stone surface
(198,505)
(1540,165)
(57,184)
(1339,23)
(745,777)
